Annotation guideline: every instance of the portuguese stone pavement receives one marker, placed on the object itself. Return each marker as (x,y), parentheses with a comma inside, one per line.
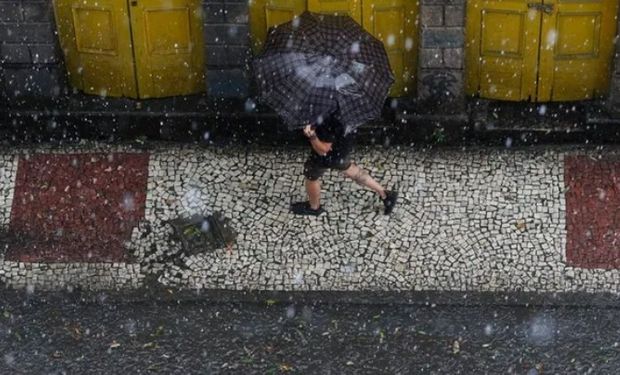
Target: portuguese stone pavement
(530,219)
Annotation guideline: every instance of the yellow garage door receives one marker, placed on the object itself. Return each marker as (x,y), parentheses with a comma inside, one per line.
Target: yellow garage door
(94,35)
(540,51)
(151,48)
(391,21)
(267,13)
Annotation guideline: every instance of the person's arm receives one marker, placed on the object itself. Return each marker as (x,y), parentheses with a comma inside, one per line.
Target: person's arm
(320,147)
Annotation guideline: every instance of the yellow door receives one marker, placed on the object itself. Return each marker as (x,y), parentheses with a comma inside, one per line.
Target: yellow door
(394,23)
(554,51)
(350,8)
(576,49)
(169,47)
(96,40)
(502,58)
(267,13)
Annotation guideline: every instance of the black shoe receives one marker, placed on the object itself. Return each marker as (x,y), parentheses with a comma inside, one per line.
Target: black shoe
(389,202)
(303,208)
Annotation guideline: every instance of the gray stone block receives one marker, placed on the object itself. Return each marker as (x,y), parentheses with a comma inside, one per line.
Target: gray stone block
(9,33)
(431,58)
(38,11)
(14,53)
(440,84)
(46,82)
(227,56)
(453,37)
(45,54)
(227,83)
(616,61)
(37,33)
(213,13)
(216,56)
(237,12)
(454,15)
(10,12)
(229,34)
(453,58)
(431,15)
(443,2)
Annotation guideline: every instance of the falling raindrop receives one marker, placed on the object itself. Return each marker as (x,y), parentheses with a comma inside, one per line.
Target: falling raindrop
(290,311)
(299,278)
(129,203)
(9,359)
(296,22)
(541,330)
(408,43)
(488,329)
(250,105)
(552,37)
(204,226)
(542,110)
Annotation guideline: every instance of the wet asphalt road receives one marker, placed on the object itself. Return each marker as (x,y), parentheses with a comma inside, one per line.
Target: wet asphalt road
(61,336)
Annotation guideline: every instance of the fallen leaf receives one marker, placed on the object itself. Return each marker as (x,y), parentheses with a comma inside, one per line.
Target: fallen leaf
(456,347)
(159,331)
(285,368)
(149,345)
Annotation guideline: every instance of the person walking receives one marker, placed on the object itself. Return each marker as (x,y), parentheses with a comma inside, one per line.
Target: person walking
(331,146)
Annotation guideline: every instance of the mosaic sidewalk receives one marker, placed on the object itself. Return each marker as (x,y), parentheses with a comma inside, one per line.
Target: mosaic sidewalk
(542,219)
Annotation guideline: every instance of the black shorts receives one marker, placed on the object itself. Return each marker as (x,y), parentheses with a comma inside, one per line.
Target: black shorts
(316,165)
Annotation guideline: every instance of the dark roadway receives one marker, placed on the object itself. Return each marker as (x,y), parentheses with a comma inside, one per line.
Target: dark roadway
(41,335)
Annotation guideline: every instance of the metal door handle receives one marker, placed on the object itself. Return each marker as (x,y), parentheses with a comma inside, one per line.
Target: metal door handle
(546,8)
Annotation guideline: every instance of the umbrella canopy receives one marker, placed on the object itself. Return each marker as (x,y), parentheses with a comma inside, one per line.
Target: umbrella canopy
(320,65)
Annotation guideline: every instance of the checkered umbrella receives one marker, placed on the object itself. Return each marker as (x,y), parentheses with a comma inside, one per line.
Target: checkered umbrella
(318,65)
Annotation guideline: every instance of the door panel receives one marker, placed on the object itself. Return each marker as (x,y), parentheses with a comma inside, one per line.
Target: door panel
(503,49)
(559,50)
(576,49)
(267,13)
(394,23)
(169,47)
(96,40)
(351,8)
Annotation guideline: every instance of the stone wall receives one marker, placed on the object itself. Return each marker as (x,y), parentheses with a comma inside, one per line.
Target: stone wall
(442,51)
(32,60)
(228,50)
(613,100)
(32,65)
(30,56)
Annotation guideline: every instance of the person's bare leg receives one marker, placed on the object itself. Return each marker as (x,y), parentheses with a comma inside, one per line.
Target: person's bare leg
(362,177)
(313,188)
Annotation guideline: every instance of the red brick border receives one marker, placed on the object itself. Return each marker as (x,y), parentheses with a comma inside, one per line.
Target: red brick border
(592,212)
(77,207)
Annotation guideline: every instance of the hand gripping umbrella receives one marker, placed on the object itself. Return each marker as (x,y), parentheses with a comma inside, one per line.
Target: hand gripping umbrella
(320,65)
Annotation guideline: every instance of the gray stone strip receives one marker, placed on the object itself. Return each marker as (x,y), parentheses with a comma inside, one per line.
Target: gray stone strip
(8,171)
(66,276)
